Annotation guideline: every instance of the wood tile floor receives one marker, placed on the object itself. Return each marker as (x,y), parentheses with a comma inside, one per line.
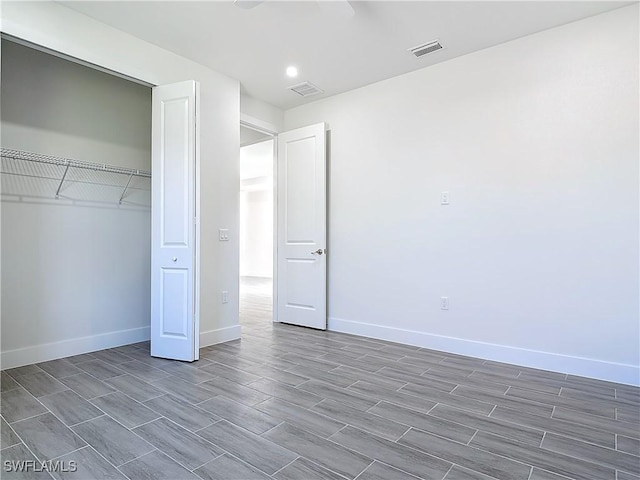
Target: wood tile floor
(290,403)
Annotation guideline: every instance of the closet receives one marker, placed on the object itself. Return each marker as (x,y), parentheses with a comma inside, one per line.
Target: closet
(75,207)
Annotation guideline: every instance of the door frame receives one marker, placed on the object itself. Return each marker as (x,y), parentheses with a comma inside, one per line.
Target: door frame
(271,131)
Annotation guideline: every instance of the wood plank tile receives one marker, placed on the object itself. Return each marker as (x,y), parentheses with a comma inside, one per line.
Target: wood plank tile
(83,357)
(326,376)
(569,429)
(300,417)
(628,445)
(276,374)
(522,404)
(538,474)
(380,471)
(255,421)
(591,408)
(99,369)
(356,374)
(59,368)
(466,456)
(227,467)
(345,396)
(87,386)
(394,454)
(7,382)
(233,374)
(143,371)
(14,457)
(303,469)
(235,391)
(489,424)
(25,370)
(181,412)
(460,473)
(369,390)
(156,466)
(327,454)
(111,356)
(111,440)
(428,423)
(414,379)
(378,425)
(134,387)
(480,403)
(574,468)
(188,449)
(70,407)
(253,449)
(285,392)
(592,453)
(593,421)
(89,465)
(8,437)
(516,382)
(39,384)
(18,404)
(124,409)
(47,437)
(189,372)
(184,390)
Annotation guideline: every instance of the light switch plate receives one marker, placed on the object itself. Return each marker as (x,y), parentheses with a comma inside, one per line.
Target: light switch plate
(223,234)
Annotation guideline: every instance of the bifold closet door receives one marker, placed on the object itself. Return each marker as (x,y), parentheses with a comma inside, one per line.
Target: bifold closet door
(174,324)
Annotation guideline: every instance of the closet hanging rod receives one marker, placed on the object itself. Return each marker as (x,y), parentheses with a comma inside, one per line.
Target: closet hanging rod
(67,162)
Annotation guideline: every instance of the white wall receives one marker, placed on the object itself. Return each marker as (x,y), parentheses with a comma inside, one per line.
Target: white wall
(55,106)
(58,28)
(536,141)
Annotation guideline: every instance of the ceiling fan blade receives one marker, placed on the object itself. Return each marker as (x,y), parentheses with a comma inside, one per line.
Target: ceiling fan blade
(339,8)
(247,4)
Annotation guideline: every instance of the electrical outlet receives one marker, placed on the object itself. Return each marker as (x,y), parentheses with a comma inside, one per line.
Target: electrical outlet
(444,198)
(223,234)
(444,303)
(225,297)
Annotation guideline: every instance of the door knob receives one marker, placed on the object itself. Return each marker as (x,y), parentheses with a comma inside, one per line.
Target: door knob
(318,252)
(175,259)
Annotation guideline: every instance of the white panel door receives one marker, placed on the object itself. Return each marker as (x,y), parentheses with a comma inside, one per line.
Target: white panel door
(301,227)
(174,326)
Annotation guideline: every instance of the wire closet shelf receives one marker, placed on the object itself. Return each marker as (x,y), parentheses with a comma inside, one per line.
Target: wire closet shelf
(61,170)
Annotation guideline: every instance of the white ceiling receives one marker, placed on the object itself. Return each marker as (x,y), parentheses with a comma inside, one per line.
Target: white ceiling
(335,52)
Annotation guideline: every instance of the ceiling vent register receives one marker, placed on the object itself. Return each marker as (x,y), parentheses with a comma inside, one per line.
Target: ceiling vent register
(306,89)
(427,48)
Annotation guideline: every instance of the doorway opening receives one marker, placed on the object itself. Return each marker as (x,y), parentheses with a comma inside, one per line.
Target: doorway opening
(256,227)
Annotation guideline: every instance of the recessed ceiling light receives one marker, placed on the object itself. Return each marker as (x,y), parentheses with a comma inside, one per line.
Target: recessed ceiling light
(292,71)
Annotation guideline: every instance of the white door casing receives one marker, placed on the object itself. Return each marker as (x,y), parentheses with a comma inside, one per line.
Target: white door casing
(301,227)
(174,322)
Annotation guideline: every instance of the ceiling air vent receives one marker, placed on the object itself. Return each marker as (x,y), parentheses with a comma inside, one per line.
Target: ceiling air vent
(430,47)
(306,89)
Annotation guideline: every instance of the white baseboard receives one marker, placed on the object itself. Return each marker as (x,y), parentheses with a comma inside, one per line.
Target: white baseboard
(51,351)
(219,335)
(602,370)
